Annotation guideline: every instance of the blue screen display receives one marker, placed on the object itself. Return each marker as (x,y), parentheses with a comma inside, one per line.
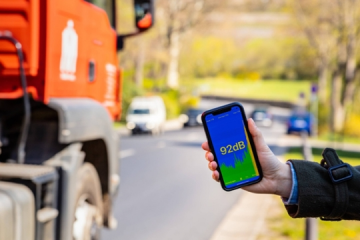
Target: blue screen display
(232,147)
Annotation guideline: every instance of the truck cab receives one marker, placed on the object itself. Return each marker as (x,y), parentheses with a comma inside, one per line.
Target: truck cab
(60,91)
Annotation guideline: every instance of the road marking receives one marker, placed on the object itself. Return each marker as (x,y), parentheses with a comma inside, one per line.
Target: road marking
(126,153)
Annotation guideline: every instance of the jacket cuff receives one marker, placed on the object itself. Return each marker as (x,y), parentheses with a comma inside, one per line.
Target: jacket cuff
(315,189)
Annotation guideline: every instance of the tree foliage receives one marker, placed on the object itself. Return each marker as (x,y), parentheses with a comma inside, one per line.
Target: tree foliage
(321,42)
(284,58)
(333,29)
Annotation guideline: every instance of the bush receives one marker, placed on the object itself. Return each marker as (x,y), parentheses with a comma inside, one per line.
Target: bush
(154,85)
(172,104)
(207,56)
(278,58)
(129,91)
(173,101)
(352,127)
(283,58)
(189,102)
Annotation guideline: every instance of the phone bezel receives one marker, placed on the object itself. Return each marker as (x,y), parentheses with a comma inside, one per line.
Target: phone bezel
(222,109)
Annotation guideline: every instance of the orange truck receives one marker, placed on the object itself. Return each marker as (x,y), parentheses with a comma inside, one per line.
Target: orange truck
(60,91)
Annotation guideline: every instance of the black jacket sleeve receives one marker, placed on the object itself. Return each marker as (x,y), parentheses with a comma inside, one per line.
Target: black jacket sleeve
(317,192)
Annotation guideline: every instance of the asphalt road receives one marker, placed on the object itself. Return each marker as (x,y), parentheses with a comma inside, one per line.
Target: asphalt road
(166,189)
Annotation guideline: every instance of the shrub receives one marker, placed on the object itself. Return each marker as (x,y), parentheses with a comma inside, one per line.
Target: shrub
(129,91)
(323,119)
(172,104)
(352,127)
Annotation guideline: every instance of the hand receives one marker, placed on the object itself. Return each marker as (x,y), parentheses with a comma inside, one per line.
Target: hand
(276,175)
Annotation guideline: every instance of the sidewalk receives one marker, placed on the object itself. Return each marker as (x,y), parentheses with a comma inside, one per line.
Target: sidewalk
(246,219)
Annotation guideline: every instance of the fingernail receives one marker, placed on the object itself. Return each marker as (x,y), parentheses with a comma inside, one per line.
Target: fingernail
(253,122)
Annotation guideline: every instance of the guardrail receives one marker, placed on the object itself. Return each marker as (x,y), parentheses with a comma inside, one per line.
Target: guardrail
(311,224)
(274,103)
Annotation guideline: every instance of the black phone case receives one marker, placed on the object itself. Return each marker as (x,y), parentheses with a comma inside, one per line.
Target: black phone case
(223,109)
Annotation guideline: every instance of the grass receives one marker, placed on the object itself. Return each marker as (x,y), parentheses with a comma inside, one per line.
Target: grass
(281,226)
(280,90)
(339,138)
(353,158)
(118,124)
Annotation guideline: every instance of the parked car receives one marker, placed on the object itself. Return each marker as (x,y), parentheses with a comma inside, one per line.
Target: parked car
(299,121)
(262,116)
(146,114)
(192,117)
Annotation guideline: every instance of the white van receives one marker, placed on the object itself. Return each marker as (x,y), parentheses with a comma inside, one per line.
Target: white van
(146,114)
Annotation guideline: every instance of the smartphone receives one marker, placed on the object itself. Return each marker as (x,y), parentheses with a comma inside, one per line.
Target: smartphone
(231,143)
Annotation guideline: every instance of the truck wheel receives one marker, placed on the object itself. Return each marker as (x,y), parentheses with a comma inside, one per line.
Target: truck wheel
(88,205)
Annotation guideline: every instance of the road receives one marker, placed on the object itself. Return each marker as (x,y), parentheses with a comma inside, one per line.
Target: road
(166,189)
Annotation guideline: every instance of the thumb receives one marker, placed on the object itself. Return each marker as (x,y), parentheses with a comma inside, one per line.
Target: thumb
(259,140)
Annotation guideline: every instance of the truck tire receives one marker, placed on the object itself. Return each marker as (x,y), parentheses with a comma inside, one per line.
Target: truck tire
(88,206)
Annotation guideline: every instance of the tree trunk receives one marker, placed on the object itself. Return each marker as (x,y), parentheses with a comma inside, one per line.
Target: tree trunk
(322,81)
(337,109)
(139,64)
(350,70)
(173,71)
(348,90)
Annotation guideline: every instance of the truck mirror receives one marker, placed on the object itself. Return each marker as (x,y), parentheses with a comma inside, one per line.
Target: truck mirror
(144,19)
(144,14)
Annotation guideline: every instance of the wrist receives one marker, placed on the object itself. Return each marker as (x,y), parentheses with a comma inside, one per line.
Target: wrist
(283,181)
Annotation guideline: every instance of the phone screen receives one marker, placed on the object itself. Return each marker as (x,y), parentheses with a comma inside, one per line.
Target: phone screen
(232,147)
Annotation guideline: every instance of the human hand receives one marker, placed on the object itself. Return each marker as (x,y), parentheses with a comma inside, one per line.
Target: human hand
(276,175)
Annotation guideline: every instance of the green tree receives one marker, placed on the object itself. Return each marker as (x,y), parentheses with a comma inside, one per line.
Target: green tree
(332,27)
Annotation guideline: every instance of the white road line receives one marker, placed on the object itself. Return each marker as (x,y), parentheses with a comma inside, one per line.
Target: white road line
(126,153)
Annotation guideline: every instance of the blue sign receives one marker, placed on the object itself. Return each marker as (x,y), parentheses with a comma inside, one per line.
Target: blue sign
(314,88)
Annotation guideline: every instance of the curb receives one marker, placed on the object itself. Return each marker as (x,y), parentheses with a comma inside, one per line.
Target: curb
(246,218)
